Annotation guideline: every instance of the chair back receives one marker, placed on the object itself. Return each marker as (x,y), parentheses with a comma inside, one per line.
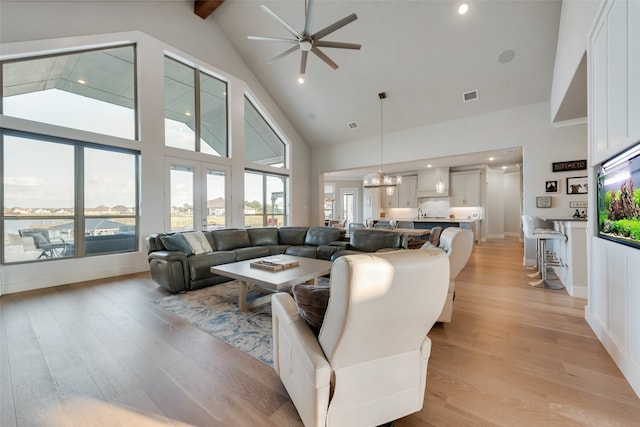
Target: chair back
(405,224)
(458,244)
(40,236)
(374,333)
(434,236)
(383,224)
(527,226)
(355,226)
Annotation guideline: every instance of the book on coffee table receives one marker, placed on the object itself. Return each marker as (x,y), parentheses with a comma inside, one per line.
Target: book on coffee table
(274,264)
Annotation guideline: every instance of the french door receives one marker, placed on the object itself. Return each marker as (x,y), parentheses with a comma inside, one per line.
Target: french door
(197,196)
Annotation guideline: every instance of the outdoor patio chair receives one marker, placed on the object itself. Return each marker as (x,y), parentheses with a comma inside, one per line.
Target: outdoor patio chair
(42,242)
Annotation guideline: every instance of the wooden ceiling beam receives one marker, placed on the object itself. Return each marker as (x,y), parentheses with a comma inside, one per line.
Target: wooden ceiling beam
(204,8)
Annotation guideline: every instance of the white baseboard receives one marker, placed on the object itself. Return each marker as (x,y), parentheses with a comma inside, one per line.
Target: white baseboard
(629,369)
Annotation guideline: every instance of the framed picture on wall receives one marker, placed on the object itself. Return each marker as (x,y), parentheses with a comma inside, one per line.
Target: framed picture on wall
(577,185)
(543,202)
(551,186)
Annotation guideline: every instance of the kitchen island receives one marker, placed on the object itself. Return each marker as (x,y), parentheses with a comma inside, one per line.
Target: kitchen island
(572,254)
(464,223)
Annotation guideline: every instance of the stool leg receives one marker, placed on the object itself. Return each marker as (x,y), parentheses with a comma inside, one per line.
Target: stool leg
(545,279)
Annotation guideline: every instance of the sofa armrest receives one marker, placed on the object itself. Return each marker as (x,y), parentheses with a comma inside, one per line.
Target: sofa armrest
(170,270)
(299,360)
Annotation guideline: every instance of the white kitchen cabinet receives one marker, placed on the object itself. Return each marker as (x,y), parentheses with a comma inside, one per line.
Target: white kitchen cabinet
(389,201)
(465,188)
(407,192)
(427,179)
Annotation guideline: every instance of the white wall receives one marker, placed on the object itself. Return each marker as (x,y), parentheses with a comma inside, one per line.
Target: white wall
(494,210)
(52,26)
(513,190)
(526,126)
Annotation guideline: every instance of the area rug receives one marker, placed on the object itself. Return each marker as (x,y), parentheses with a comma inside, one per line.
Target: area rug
(215,311)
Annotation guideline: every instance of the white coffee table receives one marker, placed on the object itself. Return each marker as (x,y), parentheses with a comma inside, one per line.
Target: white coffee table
(309,270)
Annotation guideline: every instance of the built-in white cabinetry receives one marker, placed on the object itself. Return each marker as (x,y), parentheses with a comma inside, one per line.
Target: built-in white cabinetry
(388,200)
(614,55)
(614,108)
(407,192)
(403,197)
(427,180)
(465,188)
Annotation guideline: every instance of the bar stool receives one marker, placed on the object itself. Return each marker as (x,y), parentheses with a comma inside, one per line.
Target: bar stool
(541,235)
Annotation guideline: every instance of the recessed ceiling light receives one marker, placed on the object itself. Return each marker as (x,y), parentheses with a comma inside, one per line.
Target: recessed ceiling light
(82,82)
(491,159)
(187,113)
(506,56)
(429,166)
(301,80)
(464,8)
(504,167)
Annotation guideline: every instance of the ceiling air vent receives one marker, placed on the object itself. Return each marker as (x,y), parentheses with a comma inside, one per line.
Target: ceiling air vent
(470,96)
(352,125)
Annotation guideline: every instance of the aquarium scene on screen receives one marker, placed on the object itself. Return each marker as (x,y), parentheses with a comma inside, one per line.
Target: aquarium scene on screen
(619,198)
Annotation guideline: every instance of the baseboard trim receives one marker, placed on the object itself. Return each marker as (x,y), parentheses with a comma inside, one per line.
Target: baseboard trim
(629,369)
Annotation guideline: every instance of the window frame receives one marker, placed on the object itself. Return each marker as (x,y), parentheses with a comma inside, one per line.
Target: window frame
(136,112)
(197,78)
(79,216)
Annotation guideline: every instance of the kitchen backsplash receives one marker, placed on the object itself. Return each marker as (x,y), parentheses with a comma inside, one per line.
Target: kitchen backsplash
(436,208)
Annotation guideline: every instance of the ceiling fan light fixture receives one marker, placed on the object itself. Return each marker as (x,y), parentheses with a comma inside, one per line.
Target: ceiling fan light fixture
(305,45)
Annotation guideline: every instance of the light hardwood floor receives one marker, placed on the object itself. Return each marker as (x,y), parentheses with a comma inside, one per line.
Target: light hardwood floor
(101,354)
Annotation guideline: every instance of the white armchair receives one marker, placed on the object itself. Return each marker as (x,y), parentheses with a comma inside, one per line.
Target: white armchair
(457,243)
(368,366)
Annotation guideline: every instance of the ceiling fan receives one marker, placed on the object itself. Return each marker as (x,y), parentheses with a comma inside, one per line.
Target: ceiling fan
(307,41)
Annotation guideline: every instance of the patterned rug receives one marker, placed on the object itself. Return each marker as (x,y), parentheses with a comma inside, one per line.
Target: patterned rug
(215,311)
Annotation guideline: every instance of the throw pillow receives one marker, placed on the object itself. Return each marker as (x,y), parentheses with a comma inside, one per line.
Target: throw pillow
(312,303)
(176,242)
(198,242)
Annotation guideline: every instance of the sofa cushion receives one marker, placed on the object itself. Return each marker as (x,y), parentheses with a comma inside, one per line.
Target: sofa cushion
(317,236)
(177,243)
(312,303)
(263,236)
(230,238)
(199,265)
(304,251)
(251,252)
(292,235)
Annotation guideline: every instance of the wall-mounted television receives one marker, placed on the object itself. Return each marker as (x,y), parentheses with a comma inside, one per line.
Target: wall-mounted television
(619,198)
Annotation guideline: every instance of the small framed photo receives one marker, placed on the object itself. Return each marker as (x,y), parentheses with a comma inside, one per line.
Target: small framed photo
(551,186)
(577,185)
(543,202)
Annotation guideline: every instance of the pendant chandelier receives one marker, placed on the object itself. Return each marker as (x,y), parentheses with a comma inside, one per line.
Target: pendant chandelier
(381,179)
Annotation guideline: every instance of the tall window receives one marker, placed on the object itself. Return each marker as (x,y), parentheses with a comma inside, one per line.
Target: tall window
(195,110)
(265,199)
(262,143)
(91,90)
(62,198)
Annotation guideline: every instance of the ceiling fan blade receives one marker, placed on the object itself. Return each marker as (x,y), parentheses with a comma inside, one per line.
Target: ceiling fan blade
(272,39)
(308,16)
(333,27)
(339,45)
(320,54)
(303,62)
(282,22)
(283,54)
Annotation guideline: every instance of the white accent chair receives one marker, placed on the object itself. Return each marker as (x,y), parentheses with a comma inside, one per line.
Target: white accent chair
(458,244)
(368,366)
